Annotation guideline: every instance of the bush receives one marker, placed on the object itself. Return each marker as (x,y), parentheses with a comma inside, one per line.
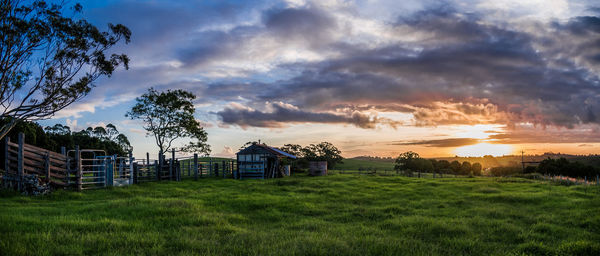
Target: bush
(562,166)
(533,176)
(505,171)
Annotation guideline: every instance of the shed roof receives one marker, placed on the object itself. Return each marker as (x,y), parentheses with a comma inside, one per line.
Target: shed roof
(272,150)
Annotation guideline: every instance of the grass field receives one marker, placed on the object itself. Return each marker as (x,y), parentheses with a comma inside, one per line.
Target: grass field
(333,215)
(354,164)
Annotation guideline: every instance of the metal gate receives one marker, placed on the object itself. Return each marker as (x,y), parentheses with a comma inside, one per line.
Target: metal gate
(91,168)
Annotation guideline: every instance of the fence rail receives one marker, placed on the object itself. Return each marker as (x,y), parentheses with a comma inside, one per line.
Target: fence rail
(83,169)
(22,159)
(176,169)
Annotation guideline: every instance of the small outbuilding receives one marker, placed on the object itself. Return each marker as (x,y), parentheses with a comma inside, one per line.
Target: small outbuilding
(259,161)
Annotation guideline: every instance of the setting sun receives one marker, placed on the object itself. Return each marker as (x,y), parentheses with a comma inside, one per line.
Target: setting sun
(483,149)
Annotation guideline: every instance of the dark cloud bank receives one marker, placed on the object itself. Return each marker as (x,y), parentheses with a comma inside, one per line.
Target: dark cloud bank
(468,72)
(459,69)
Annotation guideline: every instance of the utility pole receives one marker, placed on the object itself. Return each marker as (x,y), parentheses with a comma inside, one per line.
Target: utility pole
(523,159)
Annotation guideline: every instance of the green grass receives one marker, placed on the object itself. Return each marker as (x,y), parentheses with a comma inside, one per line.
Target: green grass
(333,215)
(354,164)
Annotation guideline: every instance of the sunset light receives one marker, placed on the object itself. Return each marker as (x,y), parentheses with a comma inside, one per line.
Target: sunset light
(483,149)
(307,127)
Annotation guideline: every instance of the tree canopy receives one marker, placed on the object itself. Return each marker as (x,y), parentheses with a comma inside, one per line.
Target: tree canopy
(57,136)
(168,116)
(49,60)
(407,161)
(323,151)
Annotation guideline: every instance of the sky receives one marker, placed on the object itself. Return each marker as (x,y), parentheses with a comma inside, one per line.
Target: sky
(441,78)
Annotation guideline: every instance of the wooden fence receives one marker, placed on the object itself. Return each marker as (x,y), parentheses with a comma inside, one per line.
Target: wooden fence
(82,169)
(21,159)
(176,169)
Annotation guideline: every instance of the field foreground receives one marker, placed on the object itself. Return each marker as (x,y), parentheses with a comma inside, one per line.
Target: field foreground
(334,215)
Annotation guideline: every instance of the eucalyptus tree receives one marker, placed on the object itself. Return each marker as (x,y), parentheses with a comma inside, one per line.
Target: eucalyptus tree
(168,116)
(50,59)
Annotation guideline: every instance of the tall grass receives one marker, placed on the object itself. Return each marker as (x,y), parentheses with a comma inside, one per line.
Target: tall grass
(332,215)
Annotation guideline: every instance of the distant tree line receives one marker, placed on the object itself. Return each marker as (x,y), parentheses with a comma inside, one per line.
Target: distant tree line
(409,162)
(375,159)
(562,166)
(54,137)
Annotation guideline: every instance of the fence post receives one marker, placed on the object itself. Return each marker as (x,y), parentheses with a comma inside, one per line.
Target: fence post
(78,170)
(131,174)
(20,166)
(172,165)
(237,168)
(597,180)
(178,170)
(156,169)
(160,165)
(47,166)
(223,168)
(6,154)
(135,173)
(195,166)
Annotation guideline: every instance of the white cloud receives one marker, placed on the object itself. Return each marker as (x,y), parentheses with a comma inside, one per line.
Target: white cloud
(72,123)
(226,152)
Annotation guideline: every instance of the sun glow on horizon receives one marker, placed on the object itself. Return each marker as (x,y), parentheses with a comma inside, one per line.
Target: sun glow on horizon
(483,149)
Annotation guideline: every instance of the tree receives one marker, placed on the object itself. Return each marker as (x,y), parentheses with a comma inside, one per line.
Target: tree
(111,132)
(443,166)
(323,151)
(296,150)
(48,60)
(168,116)
(465,168)
(58,129)
(54,137)
(407,161)
(60,135)
(434,164)
(476,169)
(424,165)
(455,167)
(248,144)
(123,142)
(100,132)
(293,149)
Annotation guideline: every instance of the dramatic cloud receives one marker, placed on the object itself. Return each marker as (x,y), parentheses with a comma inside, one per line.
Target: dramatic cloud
(368,65)
(281,114)
(454,142)
(464,71)
(531,134)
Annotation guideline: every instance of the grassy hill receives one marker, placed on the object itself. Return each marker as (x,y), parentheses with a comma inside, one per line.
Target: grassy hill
(354,164)
(332,215)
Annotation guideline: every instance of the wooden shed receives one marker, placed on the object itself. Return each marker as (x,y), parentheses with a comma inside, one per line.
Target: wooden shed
(259,161)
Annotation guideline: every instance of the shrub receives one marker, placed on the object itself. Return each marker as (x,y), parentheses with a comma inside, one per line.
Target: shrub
(504,171)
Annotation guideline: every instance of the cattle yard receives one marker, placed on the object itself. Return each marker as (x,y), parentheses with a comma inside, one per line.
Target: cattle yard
(81,169)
